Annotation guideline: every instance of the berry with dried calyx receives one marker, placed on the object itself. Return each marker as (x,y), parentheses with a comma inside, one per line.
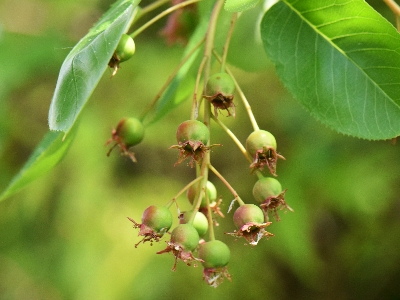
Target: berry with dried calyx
(184,240)
(129,132)
(215,255)
(261,145)
(268,191)
(156,221)
(266,187)
(124,51)
(200,221)
(219,91)
(249,219)
(248,213)
(192,137)
(185,236)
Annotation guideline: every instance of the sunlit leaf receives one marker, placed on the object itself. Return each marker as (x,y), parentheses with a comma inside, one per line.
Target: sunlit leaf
(239,5)
(47,155)
(341,60)
(86,63)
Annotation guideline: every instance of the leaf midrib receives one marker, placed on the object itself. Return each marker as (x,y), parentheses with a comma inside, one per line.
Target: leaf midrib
(340,50)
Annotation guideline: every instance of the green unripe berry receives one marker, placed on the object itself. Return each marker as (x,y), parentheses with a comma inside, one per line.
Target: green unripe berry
(158,218)
(259,139)
(125,48)
(220,83)
(266,187)
(185,236)
(192,130)
(248,213)
(215,254)
(211,193)
(200,222)
(130,131)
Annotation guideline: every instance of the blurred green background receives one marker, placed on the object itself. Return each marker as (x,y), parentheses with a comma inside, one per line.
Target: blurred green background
(66,236)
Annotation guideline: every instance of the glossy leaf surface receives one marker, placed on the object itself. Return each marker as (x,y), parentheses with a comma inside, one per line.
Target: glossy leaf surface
(86,63)
(341,60)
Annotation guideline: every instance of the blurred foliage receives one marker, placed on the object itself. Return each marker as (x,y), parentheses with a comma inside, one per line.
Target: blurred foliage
(67,237)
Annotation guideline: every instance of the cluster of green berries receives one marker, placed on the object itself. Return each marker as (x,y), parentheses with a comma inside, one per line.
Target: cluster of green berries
(188,240)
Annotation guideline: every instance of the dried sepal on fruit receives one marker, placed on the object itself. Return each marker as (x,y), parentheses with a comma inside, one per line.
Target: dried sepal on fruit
(156,221)
(268,191)
(215,207)
(184,240)
(215,255)
(261,145)
(129,132)
(125,50)
(219,92)
(249,219)
(192,137)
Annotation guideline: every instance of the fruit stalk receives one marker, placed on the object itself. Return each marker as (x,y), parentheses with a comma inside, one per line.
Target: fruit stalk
(241,94)
(161,15)
(395,8)
(183,190)
(170,78)
(239,200)
(227,41)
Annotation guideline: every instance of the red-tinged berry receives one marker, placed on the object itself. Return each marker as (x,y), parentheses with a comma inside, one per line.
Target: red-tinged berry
(215,255)
(248,213)
(261,145)
(219,91)
(192,137)
(249,219)
(124,51)
(185,236)
(180,24)
(156,221)
(129,132)
(200,221)
(184,240)
(268,191)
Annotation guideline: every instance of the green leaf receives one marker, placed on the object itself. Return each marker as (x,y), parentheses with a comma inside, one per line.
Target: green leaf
(247,32)
(182,86)
(239,5)
(47,154)
(341,60)
(86,63)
